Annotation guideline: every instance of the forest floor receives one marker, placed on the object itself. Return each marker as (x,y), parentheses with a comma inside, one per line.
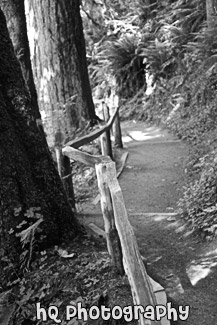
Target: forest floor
(152,182)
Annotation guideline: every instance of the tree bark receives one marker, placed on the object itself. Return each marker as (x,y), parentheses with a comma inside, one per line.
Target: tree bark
(28,176)
(211,12)
(16,21)
(58,57)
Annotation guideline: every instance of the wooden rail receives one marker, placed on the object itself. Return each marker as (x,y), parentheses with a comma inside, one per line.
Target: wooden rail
(121,242)
(93,135)
(83,157)
(63,163)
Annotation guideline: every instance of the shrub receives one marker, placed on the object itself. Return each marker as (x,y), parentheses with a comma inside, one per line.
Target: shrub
(199,204)
(126,64)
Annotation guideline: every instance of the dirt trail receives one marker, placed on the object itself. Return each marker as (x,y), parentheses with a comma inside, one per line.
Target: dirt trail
(153,181)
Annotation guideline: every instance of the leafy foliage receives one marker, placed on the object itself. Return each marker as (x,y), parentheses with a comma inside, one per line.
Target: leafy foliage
(199,204)
(116,54)
(126,65)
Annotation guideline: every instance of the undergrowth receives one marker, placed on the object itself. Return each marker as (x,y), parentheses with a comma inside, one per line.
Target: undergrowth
(79,271)
(191,114)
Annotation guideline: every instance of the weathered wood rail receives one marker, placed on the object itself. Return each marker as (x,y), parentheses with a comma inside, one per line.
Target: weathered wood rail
(76,143)
(121,242)
(63,162)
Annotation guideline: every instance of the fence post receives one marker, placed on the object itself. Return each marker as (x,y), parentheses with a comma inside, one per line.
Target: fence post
(106,144)
(64,169)
(67,181)
(103,145)
(116,125)
(112,238)
(117,132)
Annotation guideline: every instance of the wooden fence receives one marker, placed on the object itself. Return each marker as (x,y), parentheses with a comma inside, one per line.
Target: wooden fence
(63,161)
(121,242)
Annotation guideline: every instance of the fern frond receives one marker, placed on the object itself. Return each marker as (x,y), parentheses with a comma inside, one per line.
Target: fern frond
(25,235)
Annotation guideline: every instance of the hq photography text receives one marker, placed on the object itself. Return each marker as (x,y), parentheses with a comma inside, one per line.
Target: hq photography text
(129,313)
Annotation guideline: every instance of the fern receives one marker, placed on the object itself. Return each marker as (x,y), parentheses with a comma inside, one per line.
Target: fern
(27,237)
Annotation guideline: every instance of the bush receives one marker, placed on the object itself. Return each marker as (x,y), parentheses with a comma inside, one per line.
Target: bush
(126,64)
(199,204)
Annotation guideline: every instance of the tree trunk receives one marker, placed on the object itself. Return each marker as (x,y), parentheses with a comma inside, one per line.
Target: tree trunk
(28,176)
(58,57)
(211,12)
(16,21)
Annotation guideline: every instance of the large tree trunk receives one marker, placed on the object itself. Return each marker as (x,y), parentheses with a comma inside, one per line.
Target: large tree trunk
(28,176)
(211,12)
(58,57)
(16,21)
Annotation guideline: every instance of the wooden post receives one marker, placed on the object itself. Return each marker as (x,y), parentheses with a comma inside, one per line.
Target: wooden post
(116,125)
(112,239)
(58,151)
(108,133)
(103,145)
(64,169)
(67,181)
(106,113)
(117,132)
(106,145)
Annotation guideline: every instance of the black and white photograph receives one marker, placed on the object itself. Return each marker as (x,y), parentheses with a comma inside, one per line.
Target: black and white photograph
(108,162)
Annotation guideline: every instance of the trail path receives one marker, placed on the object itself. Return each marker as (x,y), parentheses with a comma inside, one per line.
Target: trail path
(152,182)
